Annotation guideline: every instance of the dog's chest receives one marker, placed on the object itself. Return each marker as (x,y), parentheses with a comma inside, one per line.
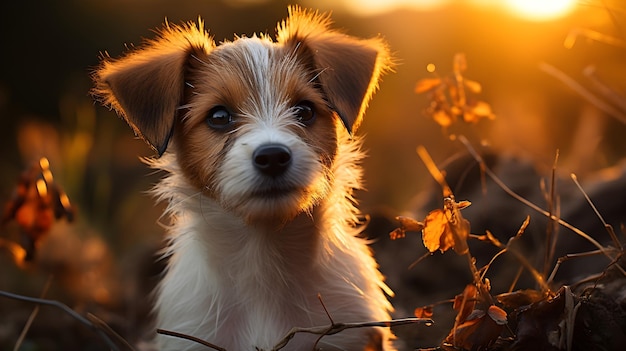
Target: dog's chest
(229,277)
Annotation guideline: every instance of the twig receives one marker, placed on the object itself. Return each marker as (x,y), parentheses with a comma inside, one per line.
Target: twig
(339,327)
(607,226)
(65,309)
(32,316)
(567,257)
(330,318)
(533,206)
(414,263)
(190,338)
(107,329)
(508,248)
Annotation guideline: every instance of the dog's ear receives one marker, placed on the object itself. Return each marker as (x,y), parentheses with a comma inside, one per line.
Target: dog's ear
(146,86)
(348,68)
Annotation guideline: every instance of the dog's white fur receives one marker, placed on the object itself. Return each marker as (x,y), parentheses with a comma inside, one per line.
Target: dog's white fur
(249,253)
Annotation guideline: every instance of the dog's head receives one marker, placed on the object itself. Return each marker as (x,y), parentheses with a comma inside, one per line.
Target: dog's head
(254,123)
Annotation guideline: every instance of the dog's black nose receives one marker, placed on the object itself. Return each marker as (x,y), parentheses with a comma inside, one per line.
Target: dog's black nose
(272,159)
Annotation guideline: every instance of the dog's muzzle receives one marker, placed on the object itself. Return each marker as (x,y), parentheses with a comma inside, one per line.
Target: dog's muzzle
(272,160)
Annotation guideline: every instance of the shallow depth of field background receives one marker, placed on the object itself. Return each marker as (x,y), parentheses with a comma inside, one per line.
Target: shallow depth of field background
(50,47)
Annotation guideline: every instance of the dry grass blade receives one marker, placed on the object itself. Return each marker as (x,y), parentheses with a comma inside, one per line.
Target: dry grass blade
(539,278)
(434,170)
(609,93)
(608,227)
(106,328)
(67,310)
(551,231)
(573,35)
(582,91)
(32,316)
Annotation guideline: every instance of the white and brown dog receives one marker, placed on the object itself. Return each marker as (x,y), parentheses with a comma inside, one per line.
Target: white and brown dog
(255,137)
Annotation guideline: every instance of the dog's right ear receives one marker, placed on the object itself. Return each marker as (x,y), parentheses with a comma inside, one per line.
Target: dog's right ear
(146,86)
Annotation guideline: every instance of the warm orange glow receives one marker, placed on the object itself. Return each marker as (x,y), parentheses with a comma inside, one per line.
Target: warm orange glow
(541,10)
(368,7)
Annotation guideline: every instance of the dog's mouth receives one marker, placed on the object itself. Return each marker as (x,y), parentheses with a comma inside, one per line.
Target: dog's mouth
(274,192)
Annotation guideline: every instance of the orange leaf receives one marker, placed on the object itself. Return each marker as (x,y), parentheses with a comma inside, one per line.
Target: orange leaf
(469,116)
(497,314)
(443,118)
(410,224)
(397,233)
(459,226)
(480,110)
(465,302)
(436,230)
(424,312)
(426,84)
(472,85)
(476,333)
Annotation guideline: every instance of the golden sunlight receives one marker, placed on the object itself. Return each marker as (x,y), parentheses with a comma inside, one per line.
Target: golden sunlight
(369,7)
(540,10)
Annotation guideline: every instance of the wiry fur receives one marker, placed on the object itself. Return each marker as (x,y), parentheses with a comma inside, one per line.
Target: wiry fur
(249,253)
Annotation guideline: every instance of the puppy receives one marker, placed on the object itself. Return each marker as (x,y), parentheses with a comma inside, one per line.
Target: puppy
(255,138)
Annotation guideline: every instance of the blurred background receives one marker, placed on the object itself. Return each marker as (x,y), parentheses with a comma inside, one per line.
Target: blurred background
(514,49)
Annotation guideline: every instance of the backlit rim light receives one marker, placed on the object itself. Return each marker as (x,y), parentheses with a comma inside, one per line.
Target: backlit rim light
(540,10)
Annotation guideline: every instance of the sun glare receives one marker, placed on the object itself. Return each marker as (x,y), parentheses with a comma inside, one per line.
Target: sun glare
(540,10)
(535,10)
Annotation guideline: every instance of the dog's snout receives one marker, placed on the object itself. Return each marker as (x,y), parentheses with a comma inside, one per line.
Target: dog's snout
(272,159)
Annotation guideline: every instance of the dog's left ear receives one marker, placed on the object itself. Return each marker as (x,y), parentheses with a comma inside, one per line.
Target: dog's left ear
(348,68)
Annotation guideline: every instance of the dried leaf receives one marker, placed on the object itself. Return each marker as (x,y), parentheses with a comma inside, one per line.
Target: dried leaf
(443,118)
(410,224)
(473,86)
(464,303)
(478,111)
(426,84)
(437,234)
(459,226)
(520,298)
(445,229)
(424,312)
(397,233)
(469,116)
(36,203)
(476,333)
(497,314)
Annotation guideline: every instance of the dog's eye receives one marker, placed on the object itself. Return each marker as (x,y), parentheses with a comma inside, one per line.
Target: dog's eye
(304,112)
(219,117)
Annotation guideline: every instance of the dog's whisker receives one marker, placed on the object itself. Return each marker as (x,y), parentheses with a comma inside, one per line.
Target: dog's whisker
(318,74)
